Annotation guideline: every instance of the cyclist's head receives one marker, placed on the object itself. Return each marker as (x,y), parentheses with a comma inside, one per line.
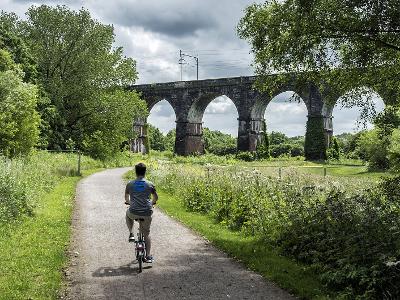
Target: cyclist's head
(140,169)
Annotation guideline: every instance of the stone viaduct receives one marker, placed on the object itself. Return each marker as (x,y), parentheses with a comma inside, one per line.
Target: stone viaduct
(189,100)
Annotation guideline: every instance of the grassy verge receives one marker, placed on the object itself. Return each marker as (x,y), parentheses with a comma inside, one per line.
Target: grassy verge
(33,252)
(253,253)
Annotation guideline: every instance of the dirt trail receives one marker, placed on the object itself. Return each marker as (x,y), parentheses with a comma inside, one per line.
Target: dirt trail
(186,266)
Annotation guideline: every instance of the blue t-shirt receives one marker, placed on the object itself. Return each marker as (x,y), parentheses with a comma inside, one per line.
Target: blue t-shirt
(139,191)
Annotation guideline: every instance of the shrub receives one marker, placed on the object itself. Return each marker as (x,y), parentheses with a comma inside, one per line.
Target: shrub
(297,150)
(333,151)
(245,155)
(374,149)
(352,241)
(280,150)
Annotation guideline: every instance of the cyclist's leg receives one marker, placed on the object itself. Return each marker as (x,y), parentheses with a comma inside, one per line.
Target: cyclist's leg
(129,220)
(145,229)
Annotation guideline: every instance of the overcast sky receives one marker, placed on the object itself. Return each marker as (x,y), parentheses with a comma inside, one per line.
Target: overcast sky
(153,32)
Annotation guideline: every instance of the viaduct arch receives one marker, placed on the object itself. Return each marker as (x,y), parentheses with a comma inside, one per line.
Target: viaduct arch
(189,100)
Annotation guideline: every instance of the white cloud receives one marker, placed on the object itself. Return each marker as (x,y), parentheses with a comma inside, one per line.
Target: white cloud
(289,118)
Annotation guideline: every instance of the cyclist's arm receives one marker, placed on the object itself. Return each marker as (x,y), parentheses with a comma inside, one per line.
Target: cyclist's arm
(127,200)
(155,196)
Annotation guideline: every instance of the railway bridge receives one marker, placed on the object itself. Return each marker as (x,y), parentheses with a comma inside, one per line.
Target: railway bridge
(189,100)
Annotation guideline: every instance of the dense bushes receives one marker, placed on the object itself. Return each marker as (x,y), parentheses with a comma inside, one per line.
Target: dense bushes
(351,238)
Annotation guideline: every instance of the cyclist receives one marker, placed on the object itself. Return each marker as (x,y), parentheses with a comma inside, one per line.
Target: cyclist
(137,195)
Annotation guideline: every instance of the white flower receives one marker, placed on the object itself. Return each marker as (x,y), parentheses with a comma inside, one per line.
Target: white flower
(392,263)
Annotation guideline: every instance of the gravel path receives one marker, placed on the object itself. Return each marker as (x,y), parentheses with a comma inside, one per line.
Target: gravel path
(186,266)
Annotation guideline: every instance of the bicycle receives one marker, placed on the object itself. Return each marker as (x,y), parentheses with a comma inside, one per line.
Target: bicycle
(140,247)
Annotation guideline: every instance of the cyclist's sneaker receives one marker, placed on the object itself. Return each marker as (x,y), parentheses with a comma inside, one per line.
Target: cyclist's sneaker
(148,259)
(131,238)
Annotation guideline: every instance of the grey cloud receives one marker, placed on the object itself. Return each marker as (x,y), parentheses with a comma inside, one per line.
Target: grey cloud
(55,2)
(170,18)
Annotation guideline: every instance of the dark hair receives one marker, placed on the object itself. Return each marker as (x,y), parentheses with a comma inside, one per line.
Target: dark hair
(140,169)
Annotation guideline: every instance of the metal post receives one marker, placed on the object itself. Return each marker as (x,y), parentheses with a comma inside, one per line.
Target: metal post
(280,173)
(324,171)
(197,67)
(181,62)
(79,163)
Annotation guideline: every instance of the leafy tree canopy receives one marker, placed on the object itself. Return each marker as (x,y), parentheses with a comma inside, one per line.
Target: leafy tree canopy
(337,43)
(19,119)
(82,75)
(218,143)
(19,52)
(157,139)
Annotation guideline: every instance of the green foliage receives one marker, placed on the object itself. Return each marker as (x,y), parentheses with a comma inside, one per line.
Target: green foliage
(387,120)
(263,148)
(343,44)
(333,151)
(353,240)
(106,130)
(281,150)
(315,147)
(6,61)
(394,151)
(277,138)
(170,140)
(250,250)
(374,148)
(81,74)
(297,150)
(14,45)
(218,143)
(23,181)
(348,144)
(157,139)
(19,120)
(245,156)
(350,238)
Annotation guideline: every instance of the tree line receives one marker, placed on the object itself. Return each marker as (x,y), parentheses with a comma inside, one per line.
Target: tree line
(62,84)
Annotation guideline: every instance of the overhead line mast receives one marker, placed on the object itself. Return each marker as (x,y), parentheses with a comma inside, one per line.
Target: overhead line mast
(182,59)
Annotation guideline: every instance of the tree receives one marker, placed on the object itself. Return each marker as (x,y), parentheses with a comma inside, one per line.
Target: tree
(218,143)
(374,149)
(82,75)
(337,43)
(156,137)
(19,120)
(277,138)
(333,151)
(170,140)
(19,52)
(106,130)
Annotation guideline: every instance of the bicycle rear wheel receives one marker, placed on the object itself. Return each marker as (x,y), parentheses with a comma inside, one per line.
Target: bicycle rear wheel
(140,261)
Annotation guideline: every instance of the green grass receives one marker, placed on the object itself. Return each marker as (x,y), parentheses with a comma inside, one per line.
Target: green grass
(33,251)
(255,254)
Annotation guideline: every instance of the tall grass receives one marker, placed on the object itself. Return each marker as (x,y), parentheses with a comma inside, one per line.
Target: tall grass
(346,229)
(25,180)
